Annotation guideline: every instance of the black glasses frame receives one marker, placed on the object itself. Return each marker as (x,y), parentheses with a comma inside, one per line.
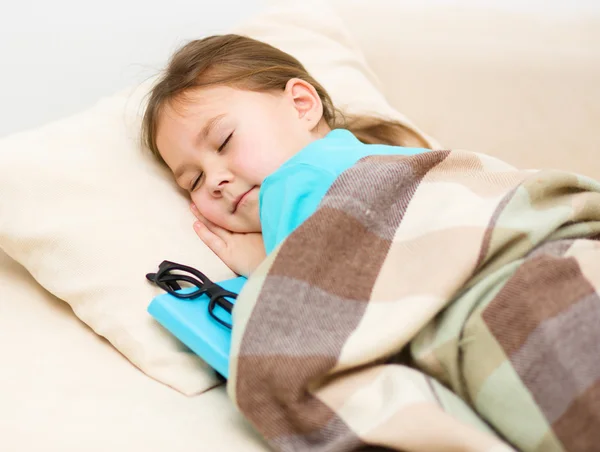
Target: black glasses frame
(169,282)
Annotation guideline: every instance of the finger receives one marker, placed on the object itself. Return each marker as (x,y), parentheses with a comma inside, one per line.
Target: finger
(212,226)
(195,211)
(201,217)
(224,234)
(212,240)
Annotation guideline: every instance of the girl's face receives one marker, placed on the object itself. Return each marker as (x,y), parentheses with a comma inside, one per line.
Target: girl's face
(221,143)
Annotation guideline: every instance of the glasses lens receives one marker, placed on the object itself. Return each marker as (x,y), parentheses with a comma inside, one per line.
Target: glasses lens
(173,282)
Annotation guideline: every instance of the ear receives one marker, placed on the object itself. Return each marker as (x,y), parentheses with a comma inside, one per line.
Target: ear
(306,101)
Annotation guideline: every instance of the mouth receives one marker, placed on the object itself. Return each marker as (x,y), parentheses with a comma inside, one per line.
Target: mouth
(240,199)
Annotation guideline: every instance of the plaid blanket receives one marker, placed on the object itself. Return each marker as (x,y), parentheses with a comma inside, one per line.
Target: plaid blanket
(444,301)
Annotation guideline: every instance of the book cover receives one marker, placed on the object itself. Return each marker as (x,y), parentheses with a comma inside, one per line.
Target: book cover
(190,322)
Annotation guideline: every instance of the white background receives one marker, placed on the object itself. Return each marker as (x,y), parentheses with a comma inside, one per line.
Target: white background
(59,57)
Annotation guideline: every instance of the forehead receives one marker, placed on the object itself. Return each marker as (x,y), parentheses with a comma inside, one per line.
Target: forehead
(180,121)
(185,115)
(192,109)
(200,103)
(206,102)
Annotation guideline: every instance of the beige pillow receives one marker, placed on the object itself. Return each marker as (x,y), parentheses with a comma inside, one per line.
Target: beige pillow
(515,80)
(64,390)
(88,212)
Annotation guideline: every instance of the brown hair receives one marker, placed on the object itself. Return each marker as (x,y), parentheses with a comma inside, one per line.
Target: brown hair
(246,63)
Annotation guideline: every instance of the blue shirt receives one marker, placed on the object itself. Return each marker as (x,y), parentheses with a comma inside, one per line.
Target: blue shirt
(292,193)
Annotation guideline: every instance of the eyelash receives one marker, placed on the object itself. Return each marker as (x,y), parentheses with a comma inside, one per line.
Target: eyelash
(218,150)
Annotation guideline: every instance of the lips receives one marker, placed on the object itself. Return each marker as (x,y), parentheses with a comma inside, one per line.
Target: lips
(239,199)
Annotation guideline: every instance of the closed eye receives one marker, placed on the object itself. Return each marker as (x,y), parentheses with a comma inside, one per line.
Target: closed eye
(225,142)
(196,181)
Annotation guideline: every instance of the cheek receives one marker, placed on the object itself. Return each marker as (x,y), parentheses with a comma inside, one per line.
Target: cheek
(258,160)
(251,165)
(208,208)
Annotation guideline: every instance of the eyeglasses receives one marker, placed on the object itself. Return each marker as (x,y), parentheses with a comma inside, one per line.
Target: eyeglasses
(169,282)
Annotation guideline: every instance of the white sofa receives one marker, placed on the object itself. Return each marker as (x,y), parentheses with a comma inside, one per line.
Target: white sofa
(517,83)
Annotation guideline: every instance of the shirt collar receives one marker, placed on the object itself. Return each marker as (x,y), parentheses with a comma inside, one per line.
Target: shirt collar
(335,136)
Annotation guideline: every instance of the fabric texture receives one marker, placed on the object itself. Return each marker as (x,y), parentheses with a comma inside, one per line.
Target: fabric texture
(489,276)
(292,193)
(88,212)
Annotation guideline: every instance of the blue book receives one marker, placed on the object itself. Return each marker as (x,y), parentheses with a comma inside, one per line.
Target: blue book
(190,322)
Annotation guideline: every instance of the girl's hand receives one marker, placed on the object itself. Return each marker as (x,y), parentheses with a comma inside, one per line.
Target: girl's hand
(241,252)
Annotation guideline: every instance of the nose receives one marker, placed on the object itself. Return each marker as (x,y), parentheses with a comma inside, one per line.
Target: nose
(217,183)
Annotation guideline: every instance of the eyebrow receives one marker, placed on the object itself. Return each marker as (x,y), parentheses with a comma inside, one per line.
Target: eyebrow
(202,136)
